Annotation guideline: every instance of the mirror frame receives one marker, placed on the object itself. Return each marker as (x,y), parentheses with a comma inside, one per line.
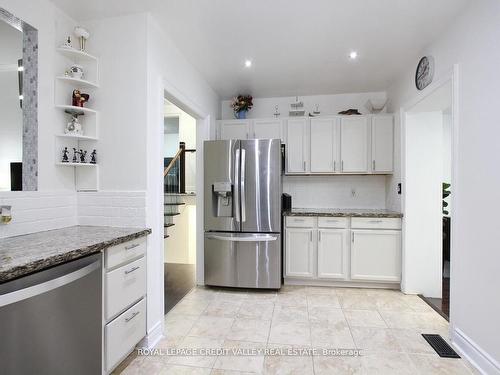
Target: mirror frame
(30,99)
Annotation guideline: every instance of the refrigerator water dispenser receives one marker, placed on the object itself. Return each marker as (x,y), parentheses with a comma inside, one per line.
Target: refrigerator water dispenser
(223,193)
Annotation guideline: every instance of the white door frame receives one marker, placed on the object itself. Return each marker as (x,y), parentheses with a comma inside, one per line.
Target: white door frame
(203,119)
(449,77)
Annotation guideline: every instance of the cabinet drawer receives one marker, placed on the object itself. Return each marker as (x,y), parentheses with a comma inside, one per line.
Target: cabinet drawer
(124,286)
(123,333)
(332,222)
(300,221)
(375,223)
(122,253)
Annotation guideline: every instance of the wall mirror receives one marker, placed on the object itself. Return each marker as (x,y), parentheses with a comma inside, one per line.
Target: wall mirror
(18,104)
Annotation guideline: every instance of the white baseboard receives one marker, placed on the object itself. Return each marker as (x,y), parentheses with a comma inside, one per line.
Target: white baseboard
(341,284)
(153,337)
(481,360)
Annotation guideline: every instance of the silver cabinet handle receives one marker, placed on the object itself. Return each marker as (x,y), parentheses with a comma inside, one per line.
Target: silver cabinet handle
(304,166)
(133,246)
(342,166)
(311,236)
(373,164)
(334,165)
(319,236)
(134,314)
(352,237)
(298,220)
(332,221)
(132,270)
(376,221)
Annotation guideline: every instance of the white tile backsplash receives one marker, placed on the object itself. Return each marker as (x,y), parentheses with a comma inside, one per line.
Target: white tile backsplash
(34,211)
(336,191)
(113,208)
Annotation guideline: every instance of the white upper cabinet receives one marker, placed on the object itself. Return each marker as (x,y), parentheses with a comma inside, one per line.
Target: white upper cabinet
(297,146)
(354,144)
(234,129)
(267,129)
(382,144)
(324,145)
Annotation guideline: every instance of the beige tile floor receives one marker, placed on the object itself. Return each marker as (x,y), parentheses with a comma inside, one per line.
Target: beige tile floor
(385,325)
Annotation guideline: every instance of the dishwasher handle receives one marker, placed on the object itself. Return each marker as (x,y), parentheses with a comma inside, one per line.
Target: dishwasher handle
(54,283)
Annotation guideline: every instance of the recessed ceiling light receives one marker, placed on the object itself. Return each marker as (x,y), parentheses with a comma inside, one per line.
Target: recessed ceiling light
(248,63)
(353,55)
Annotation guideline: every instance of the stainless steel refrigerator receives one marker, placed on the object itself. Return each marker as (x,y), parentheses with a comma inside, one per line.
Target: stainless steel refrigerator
(243,213)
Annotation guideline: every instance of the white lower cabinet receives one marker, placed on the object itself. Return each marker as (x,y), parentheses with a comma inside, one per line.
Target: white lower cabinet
(124,332)
(334,249)
(299,256)
(124,282)
(332,253)
(376,255)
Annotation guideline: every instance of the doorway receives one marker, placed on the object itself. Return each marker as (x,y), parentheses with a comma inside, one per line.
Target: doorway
(428,193)
(179,163)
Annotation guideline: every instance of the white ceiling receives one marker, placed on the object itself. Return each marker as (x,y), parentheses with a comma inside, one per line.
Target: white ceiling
(297,47)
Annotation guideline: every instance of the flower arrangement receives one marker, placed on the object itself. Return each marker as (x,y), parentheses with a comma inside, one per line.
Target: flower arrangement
(241,104)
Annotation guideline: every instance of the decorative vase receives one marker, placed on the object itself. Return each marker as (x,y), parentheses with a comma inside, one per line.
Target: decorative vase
(241,115)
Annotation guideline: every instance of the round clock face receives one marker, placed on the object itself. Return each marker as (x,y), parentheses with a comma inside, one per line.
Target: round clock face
(425,72)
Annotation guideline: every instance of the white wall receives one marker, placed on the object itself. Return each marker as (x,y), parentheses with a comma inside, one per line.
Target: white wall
(167,69)
(423,214)
(472,42)
(328,104)
(335,191)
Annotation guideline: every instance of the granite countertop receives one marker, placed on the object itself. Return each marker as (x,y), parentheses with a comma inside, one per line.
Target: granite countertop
(22,255)
(342,212)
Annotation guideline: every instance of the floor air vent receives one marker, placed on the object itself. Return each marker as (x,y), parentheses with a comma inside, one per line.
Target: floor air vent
(440,346)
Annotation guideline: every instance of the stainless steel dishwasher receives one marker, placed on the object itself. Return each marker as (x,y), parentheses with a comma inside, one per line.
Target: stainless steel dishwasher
(51,321)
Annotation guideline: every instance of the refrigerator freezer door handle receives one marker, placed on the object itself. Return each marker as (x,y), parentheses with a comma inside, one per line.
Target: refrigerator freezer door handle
(242,187)
(264,238)
(236,199)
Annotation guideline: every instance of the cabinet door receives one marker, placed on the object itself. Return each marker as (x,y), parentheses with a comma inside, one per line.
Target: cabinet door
(382,144)
(354,144)
(299,252)
(296,146)
(324,147)
(332,253)
(236,129)
(376,255)
(267,129)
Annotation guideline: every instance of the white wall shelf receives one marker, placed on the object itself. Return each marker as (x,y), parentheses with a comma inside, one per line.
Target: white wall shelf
(77,164)
(78,82)
(75,108)
(76,55)
(77,137)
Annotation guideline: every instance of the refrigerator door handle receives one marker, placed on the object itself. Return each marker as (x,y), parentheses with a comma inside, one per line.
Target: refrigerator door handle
(242,187)
(236,199)
(261,238)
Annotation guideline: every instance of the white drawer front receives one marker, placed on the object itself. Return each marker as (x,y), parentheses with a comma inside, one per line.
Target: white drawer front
(122,253)
(375,223)
(123,333)
(124,286)
(332,222)
(300,221)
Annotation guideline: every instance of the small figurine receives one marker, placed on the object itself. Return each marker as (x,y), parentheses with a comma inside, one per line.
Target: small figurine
(75,159)
(276,111)
(74,127)
(83,155)
(93,157)
(65,158)
(67,43)
(79,98)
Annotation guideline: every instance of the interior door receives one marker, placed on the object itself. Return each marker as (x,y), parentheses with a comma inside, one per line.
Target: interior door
(354,144)
(260,185)
(220,166)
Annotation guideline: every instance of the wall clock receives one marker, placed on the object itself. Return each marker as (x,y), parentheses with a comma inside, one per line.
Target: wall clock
(425,72)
